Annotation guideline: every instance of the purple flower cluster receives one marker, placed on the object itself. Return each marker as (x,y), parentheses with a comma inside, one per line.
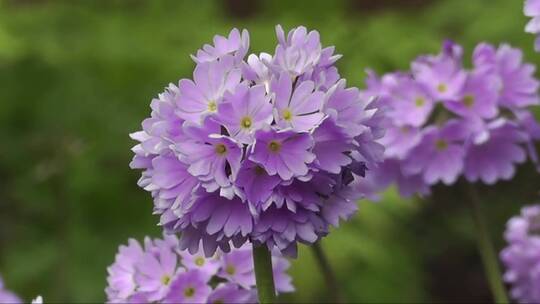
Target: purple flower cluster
(532,9)
(264,149)
(522,255)
(446,121)
(157,272)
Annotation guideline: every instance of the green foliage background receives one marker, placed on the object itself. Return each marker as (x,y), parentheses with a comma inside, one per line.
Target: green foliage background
(76,77)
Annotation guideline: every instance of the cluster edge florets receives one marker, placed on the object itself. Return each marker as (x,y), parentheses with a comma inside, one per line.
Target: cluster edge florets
(157,272)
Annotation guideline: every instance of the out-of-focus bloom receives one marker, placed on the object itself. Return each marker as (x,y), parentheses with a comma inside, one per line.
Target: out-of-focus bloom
(7,296)
(532,9)
(158,272)
(447,121)
(264,150)
(522,255)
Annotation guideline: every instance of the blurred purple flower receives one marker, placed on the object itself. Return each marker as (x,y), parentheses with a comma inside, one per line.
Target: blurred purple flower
(7,296)
(439,156)
(517,86)
(522,255)
(426,143)
(532,9)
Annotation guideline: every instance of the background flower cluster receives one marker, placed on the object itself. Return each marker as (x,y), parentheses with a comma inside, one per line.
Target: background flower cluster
(522,255)
(265,149)
(447,121)
(157,272)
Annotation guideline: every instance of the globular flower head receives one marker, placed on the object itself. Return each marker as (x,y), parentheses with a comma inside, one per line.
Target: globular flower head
(159,272)
(522,255)
(447,121)
(258,150)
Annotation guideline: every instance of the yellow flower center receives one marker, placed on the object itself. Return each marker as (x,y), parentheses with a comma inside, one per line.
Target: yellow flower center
(441,144)
(468,101)
(287,114)
(189,292)
(442,88)
(246,122)
(220,149)
(212,106)
(405,129)
(419,101)
(230,269)
(259,171)
(199,261)
(165,280)
(274,146)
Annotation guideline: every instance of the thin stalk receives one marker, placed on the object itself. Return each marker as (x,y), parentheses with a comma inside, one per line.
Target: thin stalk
(264,276)
(485,246)
(327,272)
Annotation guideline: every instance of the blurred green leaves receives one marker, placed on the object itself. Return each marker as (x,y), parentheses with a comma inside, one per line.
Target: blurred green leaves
(77,77)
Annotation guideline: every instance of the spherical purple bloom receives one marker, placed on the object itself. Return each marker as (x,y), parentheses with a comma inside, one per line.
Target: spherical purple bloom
(532,9)
(522,255)
(492,133)
(271,138)
(160,273)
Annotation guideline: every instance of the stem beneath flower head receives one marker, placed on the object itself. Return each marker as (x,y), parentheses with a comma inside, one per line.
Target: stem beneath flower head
(328,274)
(485,246)
(264,276)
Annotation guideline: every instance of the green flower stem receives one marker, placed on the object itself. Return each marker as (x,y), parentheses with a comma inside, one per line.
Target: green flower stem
(262,259)
(327,272)
(485,246)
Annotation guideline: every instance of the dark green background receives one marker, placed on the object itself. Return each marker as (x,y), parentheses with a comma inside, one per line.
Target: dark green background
(77,76)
